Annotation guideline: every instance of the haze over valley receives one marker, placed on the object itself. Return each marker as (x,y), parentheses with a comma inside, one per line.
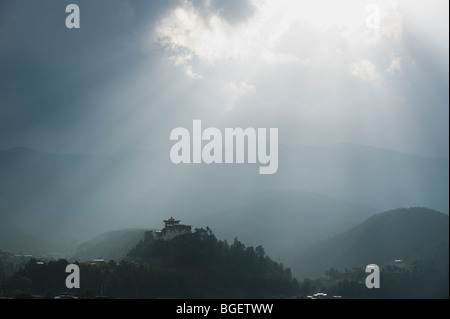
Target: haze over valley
(355,97)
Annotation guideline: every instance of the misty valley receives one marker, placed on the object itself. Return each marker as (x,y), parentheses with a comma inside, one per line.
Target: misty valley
(215,150)
(238,239)
(197,265)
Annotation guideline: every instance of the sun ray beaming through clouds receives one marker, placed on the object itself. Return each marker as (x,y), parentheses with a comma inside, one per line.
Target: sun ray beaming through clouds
(286,32)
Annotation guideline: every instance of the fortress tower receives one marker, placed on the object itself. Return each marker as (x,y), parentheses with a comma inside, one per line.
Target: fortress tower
(172,229)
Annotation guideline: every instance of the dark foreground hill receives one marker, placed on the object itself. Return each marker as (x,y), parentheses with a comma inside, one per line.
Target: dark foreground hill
(401,234)
(194,265)
(199,265)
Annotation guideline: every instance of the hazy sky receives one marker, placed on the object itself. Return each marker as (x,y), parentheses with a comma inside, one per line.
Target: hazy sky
(318,70)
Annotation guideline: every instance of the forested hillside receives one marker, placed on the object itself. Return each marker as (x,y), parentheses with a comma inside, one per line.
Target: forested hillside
(194,265)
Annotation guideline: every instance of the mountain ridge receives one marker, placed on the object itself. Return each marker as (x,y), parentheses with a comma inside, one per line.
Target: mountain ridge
(64,199)
(400,234)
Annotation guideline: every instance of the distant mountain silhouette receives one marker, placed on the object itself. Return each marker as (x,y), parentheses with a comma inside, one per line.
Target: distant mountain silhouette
(62,200)
(375,177)
(285,221)
(19,241)
(110,245)
(401,234)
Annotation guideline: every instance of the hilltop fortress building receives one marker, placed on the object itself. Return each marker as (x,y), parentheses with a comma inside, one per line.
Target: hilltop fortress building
(172,229)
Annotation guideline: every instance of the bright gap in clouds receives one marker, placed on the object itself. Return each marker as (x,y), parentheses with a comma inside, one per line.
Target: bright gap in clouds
(279,32)
(306,63)
(189,33)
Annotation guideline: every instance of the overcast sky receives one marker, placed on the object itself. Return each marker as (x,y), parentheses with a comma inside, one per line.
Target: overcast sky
(317,70)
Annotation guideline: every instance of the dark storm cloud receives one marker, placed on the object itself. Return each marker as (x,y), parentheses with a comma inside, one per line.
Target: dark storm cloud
(109,81)
(47,69)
